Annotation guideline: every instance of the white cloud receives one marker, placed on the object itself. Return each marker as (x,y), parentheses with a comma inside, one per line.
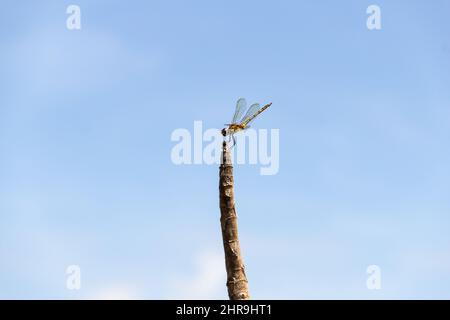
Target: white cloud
(208,281)
(115,293)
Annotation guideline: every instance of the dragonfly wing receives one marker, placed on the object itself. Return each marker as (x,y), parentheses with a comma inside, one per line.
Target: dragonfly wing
(254,108)
(240,108)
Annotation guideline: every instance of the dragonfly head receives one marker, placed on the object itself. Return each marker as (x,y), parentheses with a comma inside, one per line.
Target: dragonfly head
(224,132)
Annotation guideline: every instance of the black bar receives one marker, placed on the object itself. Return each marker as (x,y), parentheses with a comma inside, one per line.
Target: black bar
(218,309)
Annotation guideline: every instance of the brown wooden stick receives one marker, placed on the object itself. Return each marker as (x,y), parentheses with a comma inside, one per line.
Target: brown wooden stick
(236,279)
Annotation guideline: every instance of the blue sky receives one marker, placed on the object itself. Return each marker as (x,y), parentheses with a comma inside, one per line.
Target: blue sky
(86,176)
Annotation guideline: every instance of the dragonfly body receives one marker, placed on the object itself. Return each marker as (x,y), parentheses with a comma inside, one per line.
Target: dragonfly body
(238,124)
(236,127)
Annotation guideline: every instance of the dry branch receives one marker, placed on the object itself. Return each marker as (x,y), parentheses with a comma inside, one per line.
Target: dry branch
(236,279)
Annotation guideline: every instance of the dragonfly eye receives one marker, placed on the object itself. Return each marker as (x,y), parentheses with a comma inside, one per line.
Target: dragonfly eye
(224,132)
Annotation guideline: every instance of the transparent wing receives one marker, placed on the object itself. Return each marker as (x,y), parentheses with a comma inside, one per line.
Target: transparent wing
(240,108)
(254,108)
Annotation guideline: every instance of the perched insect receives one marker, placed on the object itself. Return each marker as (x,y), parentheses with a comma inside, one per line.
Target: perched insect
(242,124)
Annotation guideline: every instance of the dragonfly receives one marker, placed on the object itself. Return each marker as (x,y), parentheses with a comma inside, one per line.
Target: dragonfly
(239,122)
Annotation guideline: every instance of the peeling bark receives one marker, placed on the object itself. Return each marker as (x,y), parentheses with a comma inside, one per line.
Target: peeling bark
(236,279)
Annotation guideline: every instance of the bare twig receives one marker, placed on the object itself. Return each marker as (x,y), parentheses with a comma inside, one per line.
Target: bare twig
(236,279)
